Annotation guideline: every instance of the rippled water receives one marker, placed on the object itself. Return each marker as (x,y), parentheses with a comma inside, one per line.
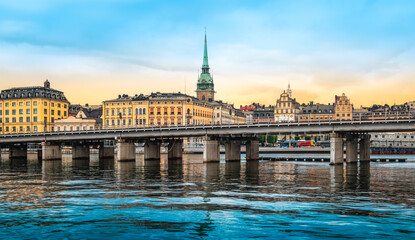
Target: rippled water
(191,199)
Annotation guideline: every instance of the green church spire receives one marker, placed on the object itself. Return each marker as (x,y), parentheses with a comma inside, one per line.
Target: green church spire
(205,65)
(205,81)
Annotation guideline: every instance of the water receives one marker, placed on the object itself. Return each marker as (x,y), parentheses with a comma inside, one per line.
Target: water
(192,200)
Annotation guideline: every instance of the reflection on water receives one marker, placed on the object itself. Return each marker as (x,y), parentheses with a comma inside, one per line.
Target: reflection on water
(191,199)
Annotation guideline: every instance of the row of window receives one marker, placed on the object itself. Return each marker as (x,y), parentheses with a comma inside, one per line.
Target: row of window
(120,122)
(22,119)
(138,111)
(14,104)
(71,128)
(21,111)
(21,129)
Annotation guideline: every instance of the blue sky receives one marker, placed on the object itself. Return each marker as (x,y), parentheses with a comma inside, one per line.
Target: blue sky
(323,48)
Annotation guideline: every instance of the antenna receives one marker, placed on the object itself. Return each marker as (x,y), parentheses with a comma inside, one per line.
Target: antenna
(185,86)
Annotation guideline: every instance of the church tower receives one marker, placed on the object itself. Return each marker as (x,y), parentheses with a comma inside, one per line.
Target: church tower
(205,87)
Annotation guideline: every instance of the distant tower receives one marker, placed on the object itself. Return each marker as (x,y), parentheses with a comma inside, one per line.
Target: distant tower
(289,91)
(46,84)
(205,87)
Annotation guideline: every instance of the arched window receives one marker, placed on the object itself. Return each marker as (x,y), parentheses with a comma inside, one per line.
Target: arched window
(144,111)
(136,111)
(188,111)
(203,97)
(141,111)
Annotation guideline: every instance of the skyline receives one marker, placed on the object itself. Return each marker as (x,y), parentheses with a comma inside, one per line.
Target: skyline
(361,48)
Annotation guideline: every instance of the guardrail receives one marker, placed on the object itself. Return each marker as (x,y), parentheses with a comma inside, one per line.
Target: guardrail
(198,127)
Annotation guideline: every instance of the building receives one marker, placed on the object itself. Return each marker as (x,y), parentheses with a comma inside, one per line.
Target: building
(85,119)
(125,111)
(257,113)
(343,109)
(286,108)
(316,113)
(31,109)
(205,88)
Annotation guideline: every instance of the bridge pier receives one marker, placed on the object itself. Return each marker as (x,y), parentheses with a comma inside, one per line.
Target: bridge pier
(211,151)
(80,152)
(151,150)
(125,150)
(233,150)
(252,150)
(106,152)
(51,151)
(351,149)
(175,150)
(18,151)
(336,149)
(364,148)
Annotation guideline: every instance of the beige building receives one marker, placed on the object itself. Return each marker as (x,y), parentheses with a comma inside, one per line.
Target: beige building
(286,109)
(83,121)
(343,109)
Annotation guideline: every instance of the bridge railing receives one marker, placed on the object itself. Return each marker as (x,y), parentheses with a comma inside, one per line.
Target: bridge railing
(136,128)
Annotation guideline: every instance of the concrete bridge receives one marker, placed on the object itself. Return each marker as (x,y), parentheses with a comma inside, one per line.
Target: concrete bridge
(351,134)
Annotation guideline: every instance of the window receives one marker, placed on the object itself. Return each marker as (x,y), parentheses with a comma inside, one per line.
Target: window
(27,103)
(52,104)
(112,112)
(112,122)
(35,128)
(45,103)
(27,119)
(20,103)
(35,111)
(7,104)
(45,111)
(14,112)
(35,103)
(27,111)
(59,105)
(20,111)
(64,113)
(129,122)
(1,112)
(118,122)
(123,111)
(107,122)
(14,119)
(123,122)
(7,112)
(144,111)
(130,111)
(28,128)
(59,112)
(52,112)
(14,104)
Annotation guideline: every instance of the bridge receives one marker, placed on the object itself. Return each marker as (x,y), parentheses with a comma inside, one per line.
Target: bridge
(354,135)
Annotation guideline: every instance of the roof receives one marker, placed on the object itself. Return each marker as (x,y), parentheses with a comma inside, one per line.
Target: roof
(33,92)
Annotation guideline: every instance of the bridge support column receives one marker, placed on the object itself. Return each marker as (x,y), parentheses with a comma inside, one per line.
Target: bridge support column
(5,154)
(233,150)
(211,151)
(252,150)
(106,152)
(364,148)
(125,150)
(175,150)
(336,149)
(51,151)
(18,151)
(80,152)
(351,149)
(151,150)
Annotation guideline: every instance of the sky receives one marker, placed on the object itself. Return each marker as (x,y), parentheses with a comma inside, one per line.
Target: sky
(95,50)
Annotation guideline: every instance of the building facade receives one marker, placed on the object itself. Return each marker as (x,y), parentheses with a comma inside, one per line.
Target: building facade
(31,109)
(343,108)
(316,113)
(286,109)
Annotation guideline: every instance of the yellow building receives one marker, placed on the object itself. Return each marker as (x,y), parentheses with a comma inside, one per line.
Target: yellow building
(343,108)
(156,109)
(31,109)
